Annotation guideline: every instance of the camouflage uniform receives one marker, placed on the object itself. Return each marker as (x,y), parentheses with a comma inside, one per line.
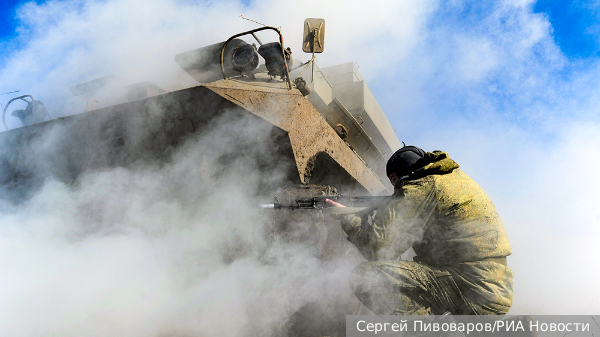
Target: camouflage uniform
(459,240)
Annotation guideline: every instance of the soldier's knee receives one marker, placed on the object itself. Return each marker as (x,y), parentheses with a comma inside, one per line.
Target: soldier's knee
(386,276)
(359,277)
(369,277)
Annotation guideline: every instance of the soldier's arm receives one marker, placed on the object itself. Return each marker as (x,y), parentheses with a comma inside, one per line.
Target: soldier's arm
(404,221)
(357,228)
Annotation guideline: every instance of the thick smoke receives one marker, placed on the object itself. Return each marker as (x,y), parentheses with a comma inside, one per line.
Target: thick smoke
(161,249)
(176,246)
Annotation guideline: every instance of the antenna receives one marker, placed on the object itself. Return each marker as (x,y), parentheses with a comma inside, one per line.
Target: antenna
(11,92)
(262,24)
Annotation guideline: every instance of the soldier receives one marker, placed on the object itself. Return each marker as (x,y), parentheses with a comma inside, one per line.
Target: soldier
(454,229)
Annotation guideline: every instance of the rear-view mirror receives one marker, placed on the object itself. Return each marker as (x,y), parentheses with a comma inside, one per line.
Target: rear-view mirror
(314,36)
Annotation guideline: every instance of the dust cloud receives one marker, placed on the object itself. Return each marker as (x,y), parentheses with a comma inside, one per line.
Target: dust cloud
(161,249)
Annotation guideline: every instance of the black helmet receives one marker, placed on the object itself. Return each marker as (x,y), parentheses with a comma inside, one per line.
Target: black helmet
(403,160)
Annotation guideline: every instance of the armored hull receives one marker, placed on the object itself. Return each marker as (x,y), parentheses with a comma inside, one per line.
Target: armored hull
(149,128)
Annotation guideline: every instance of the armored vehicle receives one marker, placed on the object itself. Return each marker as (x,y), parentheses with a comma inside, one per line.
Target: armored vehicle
(321,128)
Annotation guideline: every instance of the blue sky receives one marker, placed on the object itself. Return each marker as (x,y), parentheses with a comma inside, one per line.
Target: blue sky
(509,88)
(575,24)
(8,22)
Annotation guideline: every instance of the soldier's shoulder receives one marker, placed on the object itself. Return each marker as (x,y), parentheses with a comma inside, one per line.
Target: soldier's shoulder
(454,175)
(458,183)
(421,181)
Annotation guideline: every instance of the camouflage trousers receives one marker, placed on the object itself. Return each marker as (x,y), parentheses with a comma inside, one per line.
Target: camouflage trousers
(409,288)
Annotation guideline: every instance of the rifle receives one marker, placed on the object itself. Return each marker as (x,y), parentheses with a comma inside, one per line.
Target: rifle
(353,204)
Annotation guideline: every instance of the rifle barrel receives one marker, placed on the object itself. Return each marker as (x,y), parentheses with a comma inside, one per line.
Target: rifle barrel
(319,202)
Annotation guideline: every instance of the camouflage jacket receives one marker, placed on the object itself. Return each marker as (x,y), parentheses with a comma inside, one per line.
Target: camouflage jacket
(440,212)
